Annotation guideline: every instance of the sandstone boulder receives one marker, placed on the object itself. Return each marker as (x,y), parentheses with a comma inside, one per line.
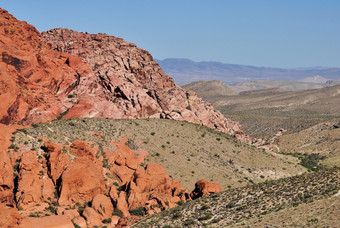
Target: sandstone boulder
(203,188)
(102,205)
(92,217)
(81,181)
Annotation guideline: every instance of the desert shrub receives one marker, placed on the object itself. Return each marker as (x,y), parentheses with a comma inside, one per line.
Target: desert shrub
(131,144)
(52,209)
(205,217)
(181,202)
(62,114)
(34,214)
(311,161)
(107,221)
(117,213)
(189,222)
(140,211)
(76,225)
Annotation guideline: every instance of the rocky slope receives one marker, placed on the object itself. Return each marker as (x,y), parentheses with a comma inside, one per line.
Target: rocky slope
(133,84)
(239,205)
(87,183)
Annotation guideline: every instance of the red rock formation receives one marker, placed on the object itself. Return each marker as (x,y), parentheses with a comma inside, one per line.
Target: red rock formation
(40,84)
(203,188)
(6,168)
(130,84)
(34,186)
(35,80)
(9,216)
(103,206)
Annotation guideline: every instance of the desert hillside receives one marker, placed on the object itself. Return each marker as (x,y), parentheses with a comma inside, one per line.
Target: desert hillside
(198,152)
(209,88)
(258,203)
(93,133)
(263,113)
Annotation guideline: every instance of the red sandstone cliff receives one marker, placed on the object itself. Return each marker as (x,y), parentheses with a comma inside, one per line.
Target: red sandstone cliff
(34,80)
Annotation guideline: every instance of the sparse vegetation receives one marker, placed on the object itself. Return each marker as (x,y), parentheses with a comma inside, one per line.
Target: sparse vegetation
(140,211)
(190,151)
(254,201)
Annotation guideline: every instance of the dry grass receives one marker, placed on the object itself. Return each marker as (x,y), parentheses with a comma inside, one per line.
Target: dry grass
(320,213)
(253,203)
(323,138)
(188,152)
(262,113)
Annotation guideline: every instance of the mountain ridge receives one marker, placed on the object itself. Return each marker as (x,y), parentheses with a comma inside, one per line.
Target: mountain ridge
(185,71)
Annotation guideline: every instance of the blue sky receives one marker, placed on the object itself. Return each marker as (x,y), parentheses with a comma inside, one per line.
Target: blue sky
(275,33)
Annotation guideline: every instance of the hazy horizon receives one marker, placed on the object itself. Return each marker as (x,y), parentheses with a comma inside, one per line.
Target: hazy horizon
(278,34)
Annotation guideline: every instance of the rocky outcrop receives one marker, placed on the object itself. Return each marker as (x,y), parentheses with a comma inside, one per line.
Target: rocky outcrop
(204,188)
(35,80)
(119,80)
(99,180)
(128,83)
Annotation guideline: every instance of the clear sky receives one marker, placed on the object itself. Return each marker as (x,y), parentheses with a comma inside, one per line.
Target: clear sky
(275,33)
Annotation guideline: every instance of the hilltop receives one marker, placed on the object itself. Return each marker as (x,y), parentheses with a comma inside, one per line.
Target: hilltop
(209,88)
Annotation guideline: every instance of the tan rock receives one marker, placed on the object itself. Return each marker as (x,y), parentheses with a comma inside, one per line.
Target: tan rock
(113,193)
(114,220)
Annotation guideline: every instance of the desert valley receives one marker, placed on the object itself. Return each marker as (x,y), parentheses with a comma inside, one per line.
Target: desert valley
(93,133)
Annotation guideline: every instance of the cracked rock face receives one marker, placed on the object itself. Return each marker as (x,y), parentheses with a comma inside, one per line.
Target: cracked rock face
(34,80)
(129,84)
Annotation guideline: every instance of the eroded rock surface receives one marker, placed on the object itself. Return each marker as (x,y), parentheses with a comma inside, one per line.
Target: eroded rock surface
(128,83)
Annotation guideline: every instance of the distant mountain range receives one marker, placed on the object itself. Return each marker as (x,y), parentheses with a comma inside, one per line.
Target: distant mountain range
(185,71)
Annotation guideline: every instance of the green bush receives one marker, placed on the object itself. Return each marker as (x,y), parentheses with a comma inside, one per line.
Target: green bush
(107,221)
(140,211)
(117,213)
